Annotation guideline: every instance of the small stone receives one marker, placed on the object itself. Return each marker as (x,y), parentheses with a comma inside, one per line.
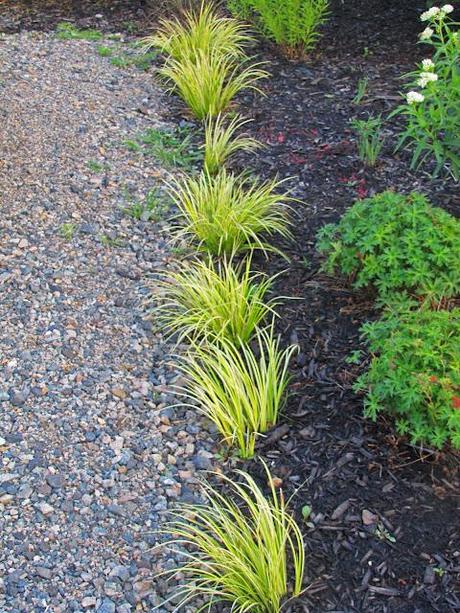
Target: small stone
(369,518)
(45,508)
(88,601)
(107,606)
(120,572)
(119,392)
(55,481)
(43,572)
(6,499)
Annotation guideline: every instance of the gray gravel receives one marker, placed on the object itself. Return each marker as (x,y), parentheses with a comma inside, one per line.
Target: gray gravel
(90,454)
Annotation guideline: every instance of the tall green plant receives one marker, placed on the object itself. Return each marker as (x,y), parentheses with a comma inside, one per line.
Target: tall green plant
(293,24)
(432,105)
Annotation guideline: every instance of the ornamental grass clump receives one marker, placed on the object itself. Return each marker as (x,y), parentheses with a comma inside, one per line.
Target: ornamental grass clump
(227,213)
(415,374)
(223,139)
(208,82)
(240,549)
(215,299)
(292,24)
(432,104)
(239,389)
(396,243)
(200,31)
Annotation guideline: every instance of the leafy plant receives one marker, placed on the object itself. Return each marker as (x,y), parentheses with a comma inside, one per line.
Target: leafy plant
(152,208)
(171,147)
(68,31)
(370,141)
(208,82)
(67,231)
(361,90)
(104,51)
(240,391)
(219,300)
(222,141)
(201,32)
(293,24)
(415,374)
(227,213)
(95,166)
(432,114)
(396,243)
(240,551)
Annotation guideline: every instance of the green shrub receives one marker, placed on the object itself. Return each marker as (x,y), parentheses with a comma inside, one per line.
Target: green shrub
(226,213)
(240,551)
(396,243)
(415,374)
(220,299)
(293,24)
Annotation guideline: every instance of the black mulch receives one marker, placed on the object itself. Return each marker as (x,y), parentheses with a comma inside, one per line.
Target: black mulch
(383,535)
(385,530)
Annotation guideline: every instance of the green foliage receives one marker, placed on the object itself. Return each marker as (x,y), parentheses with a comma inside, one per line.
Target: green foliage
(199,33)
(152,208)
(171,147)
(397,243)
(209,82)
(67,31)
(206,299)
(415,374)
(222,141)
(370,141)
(432,130)
(294,24)
(361,90)
(240,550)
(238,389)
(96,166)
(67,231)
(104,51)
(226,213)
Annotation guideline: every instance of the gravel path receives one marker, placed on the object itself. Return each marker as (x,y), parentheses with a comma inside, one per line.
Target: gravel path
(89,460)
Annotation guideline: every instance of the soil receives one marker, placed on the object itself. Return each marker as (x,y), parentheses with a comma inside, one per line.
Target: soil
(383,534)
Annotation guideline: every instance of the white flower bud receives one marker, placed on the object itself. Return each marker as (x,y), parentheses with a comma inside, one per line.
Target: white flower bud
(447,8)
(432,12)
(428,64)
(414,97)
(426,34)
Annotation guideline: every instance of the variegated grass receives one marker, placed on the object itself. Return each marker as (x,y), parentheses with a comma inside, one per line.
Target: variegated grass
(240,548)
(227,213)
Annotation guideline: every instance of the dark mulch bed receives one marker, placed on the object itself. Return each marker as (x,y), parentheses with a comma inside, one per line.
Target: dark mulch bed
(384,532)
(405,555)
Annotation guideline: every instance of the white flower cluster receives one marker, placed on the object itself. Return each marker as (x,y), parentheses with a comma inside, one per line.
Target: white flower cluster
(435,11)
(414,97)
(426,77)
(428,64)
(427,34)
